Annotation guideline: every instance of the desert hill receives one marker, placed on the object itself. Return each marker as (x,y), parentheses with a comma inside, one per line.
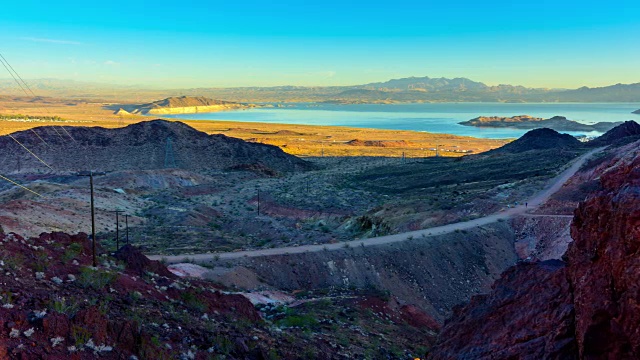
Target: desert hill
(557,123)
(185,104)
(539,139)
(146,145)
(184,101)
(625,132)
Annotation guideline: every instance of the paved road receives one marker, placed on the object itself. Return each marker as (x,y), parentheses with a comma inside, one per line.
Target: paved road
(554,185)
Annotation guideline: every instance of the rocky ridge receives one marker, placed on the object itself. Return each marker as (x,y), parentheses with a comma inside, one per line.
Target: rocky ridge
(558,123)
(583,307)
(185,105)
(539,139)
(626,132)
(148,145)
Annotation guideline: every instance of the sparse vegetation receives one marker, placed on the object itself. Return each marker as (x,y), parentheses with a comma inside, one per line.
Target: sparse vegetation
(96,279)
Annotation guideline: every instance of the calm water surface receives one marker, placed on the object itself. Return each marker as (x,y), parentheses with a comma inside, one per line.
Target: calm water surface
(436,118)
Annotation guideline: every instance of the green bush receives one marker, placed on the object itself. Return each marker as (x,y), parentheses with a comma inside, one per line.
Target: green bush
(192,301)
(62,306)
(95,279)
(301,321)
(72,252)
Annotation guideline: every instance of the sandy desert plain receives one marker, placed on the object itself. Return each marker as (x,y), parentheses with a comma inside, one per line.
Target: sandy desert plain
(299,140)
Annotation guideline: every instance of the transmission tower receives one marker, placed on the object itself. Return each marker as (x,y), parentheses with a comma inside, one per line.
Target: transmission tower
(169,158)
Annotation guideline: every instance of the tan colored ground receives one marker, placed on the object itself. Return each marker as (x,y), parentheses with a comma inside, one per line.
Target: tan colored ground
(301,140)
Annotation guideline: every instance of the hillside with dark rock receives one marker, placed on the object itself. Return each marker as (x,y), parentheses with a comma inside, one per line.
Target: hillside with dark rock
(583,308)
(539,139)
(557,123)
(146,145)
(623,133)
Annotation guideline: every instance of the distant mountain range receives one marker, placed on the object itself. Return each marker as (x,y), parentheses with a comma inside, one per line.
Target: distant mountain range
(412,89)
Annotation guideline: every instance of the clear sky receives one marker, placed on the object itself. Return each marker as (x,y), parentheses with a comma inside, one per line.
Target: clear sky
(203,43)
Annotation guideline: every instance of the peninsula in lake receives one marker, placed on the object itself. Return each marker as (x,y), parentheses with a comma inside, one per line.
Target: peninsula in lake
(182,105)
(558,123)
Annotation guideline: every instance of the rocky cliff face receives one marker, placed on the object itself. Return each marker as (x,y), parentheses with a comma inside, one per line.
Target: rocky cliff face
(604,267)
(186,105)
(585,308)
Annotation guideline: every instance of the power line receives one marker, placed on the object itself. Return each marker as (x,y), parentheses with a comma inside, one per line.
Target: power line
(16,184)
(14,78)
(56,131)
(18,75)
(46,143)
(11,71)
(65,130)
(30,152)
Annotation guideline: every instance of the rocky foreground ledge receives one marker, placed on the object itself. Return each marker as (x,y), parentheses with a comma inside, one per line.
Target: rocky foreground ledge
(55,305)
(585,307)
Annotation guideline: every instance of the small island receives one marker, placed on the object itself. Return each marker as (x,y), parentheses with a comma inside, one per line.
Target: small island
(183,105)
(636,112)
(557,123)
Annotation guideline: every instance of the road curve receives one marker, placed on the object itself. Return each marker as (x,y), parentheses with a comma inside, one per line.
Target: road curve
(554,185)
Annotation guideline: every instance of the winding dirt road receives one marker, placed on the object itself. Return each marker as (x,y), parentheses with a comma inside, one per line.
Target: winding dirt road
(554,185)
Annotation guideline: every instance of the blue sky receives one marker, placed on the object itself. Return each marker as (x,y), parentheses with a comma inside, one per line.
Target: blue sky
(170,44)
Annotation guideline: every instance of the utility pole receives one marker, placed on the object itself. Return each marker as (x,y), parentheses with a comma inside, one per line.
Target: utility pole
(117,228)
(90,174)
(126,224)
(258,202)
(438,150)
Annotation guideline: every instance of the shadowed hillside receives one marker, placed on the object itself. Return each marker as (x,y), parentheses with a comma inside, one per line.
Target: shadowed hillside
(147,145)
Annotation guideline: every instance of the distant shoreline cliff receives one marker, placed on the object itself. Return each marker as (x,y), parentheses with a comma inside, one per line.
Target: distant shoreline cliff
(184,105)
(557,123)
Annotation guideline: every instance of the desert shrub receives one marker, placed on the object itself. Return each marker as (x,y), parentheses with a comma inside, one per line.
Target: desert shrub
(80,335)
(72,252)
(151,349)
(13,262)
(192,301)
(41,261)
(63,306)
(95,279)
(223,344)
(301,321)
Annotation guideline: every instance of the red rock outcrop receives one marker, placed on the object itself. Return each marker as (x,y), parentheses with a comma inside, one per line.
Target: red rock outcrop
(528,315)
(139,264)
(605,267)
(586,309)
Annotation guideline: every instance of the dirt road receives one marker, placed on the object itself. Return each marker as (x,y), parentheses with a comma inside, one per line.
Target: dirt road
(554,185)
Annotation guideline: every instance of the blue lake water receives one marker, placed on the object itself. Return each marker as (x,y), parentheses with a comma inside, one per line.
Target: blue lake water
(431,117)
